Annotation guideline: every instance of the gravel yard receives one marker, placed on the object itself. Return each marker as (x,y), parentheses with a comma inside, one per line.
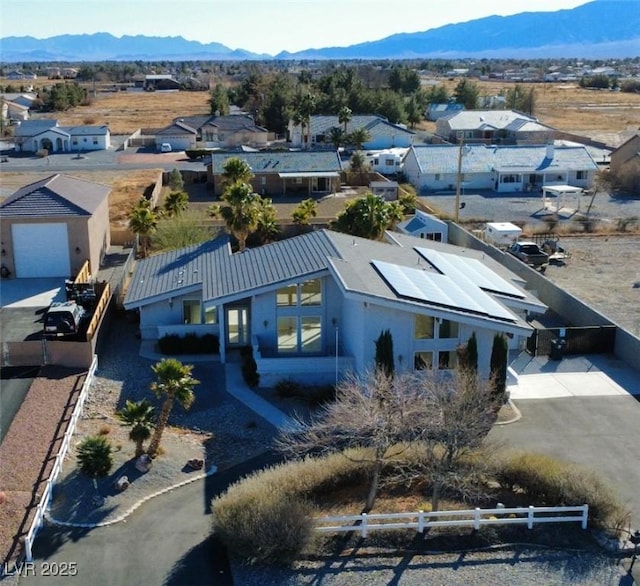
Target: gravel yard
(603,271)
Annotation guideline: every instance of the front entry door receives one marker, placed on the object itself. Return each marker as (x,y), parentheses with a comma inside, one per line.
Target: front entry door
(237,326)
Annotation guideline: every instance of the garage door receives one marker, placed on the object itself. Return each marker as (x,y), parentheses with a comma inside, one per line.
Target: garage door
(41,250)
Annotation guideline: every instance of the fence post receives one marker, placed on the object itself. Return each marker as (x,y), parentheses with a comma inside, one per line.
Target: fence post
(420,521)
(530,517)
(364,524)
(585,515)
(476,519)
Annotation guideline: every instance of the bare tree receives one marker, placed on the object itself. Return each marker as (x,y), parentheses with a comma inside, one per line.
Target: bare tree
(461,410)
(442,416)
(374,412)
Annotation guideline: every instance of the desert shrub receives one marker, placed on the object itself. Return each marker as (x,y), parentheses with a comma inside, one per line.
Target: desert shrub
(195,154)
(42,153)
(190,343)
(627,224)
(321,394)
(551,482)
(265,518)
(169,344)
(249,367)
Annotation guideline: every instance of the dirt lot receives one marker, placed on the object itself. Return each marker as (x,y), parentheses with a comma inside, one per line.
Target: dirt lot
(604,272)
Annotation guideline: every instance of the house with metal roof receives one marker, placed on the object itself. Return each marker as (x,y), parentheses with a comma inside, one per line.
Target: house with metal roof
(424,225)
(283,172)
(179,135)
(493,127)
(382,133)
(37,135)
(505,169)
(311,307)
(51,227)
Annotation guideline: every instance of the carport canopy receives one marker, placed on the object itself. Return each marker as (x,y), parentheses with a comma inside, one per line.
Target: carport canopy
(309,174)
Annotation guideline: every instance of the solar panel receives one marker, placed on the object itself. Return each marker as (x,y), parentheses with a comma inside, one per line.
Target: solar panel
(462,267)
(441,290)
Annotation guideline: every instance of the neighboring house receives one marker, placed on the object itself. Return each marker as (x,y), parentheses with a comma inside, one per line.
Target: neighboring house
(36,135)
(493,127)
(51,227)
(626,154)
(161,82)
(387,190)
(437,111)
(227,132)
(383,134)
(16,74)
(427,226)
(312,307)
(499,168)
(179,135)
(283,172)
(388,161)
(14,112)
(23,99)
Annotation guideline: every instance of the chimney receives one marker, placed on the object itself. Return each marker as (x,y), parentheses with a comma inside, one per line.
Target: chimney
(550,149)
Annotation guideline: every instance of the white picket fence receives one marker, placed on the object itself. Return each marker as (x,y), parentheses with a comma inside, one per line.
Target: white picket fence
(57,466)
(475,518)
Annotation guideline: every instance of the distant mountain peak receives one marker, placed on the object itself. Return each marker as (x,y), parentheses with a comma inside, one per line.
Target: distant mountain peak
(591,30)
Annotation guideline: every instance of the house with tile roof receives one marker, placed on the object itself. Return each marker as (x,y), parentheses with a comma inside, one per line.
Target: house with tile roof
(311,307)
(383,134)
(283,172)
(214,132)
(505,169)
(36,135)
(502,127)
(51,227)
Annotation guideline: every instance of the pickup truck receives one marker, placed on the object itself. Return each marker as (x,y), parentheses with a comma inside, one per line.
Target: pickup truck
(530,253)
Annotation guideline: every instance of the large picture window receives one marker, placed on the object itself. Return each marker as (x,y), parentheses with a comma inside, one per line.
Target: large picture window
(448,329)
(307,293)
(447,360)
(287,334)
(310,334)
(423,327)
(423,361)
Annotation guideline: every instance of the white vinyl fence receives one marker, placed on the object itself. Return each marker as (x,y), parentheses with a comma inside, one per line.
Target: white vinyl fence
(57,466)
(475,518)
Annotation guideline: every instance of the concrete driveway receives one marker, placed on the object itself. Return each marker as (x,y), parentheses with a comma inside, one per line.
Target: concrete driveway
(584,410)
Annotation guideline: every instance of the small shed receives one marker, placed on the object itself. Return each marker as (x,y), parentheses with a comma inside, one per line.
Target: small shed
(387,190)
(427,226)
(502,233)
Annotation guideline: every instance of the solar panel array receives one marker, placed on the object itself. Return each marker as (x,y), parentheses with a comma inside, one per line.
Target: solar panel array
(471,269)
(441,290)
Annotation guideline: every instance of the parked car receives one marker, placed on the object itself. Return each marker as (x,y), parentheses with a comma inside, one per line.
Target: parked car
(165,147)
(64,319)
(530,253)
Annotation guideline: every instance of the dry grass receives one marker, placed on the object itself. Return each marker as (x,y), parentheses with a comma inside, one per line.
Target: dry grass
(564,106)
(125,112)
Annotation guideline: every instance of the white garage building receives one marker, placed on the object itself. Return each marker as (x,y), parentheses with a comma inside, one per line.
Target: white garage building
(49,228)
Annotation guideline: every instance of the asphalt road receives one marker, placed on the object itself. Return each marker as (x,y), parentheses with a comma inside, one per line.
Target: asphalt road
(599,433)
(167,541)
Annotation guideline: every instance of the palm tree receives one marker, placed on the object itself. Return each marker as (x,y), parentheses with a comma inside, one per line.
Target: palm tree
(344,117)
(306,105)
(143,222)
(94,456)
(358,137)
(337,137)
(241,213)
(175,383)
(139,416)
(267,226)
(175,203)
(367,217)
(307,209)
(236,170)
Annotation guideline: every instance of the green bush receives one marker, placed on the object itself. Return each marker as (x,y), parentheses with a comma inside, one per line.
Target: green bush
(550,482)
(195,154)
(266,517)
(249,367)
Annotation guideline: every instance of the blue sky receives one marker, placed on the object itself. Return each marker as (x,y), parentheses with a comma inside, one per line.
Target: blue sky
(261,26)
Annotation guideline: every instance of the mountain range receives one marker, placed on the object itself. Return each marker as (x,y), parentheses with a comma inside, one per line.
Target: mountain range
(598,29)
